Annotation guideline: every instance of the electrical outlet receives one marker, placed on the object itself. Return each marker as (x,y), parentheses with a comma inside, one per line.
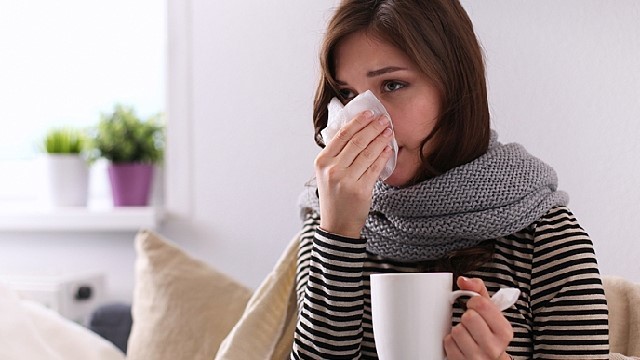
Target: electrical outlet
(74,296)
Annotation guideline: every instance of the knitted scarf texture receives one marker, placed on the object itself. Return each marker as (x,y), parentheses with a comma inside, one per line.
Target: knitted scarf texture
(501,192)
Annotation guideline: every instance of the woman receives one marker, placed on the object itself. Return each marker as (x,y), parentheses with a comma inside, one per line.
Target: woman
(458,200)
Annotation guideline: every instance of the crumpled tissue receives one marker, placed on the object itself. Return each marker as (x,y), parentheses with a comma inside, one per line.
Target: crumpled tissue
(340,114)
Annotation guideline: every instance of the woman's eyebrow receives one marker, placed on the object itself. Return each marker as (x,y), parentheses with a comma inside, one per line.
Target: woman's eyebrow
(374,73)
(384,70)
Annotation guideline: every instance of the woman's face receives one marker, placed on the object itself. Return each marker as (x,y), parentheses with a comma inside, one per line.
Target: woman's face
(363,62)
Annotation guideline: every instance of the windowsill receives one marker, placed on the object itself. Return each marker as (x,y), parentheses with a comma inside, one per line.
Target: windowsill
(79,219)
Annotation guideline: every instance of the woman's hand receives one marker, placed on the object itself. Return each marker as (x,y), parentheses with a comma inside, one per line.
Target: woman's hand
(483,331)
(346,171)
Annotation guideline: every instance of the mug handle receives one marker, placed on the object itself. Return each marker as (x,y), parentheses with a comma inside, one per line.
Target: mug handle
(456,294)
(504,298)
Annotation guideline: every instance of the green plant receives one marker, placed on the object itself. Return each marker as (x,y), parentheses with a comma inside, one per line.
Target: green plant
(65,140)
(123,137)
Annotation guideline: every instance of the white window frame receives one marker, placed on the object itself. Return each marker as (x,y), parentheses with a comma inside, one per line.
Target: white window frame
(22,173)
(23,209)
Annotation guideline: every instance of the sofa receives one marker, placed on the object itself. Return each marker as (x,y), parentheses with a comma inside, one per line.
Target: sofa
(115,321)
(185,309)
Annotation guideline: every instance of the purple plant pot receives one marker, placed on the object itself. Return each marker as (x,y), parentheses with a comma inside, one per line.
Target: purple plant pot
(130,184)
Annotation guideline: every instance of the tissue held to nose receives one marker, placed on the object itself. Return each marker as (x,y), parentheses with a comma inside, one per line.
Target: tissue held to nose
(339,115)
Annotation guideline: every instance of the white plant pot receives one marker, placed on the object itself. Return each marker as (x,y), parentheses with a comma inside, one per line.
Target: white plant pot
(67,180)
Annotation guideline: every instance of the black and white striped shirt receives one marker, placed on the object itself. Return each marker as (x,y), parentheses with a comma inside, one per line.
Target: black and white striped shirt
(561,313)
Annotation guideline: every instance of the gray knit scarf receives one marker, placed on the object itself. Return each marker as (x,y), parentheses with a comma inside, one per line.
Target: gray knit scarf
(497,194)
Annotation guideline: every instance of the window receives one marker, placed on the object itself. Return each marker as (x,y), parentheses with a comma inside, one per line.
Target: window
(65,62)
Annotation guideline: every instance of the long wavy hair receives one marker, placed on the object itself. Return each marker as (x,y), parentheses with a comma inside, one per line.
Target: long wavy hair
(438,36)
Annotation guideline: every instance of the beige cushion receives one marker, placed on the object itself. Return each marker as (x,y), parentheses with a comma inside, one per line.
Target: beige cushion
(623,297)
(182,308)
(267,326)
(29,330)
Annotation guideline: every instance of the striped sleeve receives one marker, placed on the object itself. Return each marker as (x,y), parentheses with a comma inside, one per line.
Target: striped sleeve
(330,295)
(304,255)
(570,317)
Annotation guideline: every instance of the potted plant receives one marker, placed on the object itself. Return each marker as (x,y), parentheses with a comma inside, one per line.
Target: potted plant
(66,166)
(133,147)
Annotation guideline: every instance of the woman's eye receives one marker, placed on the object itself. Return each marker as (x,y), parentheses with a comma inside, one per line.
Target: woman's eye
(390,86)
(346,95)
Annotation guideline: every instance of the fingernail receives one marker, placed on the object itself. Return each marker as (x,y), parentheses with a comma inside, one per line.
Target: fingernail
(384,120)
(368,114)
(464,278)
(387,132)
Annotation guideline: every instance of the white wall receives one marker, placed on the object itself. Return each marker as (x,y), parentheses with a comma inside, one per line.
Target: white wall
(242,83)
(564,80)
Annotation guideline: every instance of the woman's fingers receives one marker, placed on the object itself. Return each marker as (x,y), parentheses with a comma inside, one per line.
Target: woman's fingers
(360,143)
(355,138)
(346,133)
(357,147)
(365,161)
(372,173)
(498,331)
(465,342)
(493,339)
(452,349)
(483,322)
(473,284)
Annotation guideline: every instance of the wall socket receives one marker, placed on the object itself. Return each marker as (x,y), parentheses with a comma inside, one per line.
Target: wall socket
(73,296)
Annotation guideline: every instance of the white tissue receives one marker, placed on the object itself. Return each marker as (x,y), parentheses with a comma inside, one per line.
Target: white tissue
(505,298)
(340,114)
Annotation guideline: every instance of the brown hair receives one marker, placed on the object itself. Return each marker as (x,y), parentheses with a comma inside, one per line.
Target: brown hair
(438,36)
(461,262)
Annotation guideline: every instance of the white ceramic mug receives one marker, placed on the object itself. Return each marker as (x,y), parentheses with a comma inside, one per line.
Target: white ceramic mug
(411,314)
